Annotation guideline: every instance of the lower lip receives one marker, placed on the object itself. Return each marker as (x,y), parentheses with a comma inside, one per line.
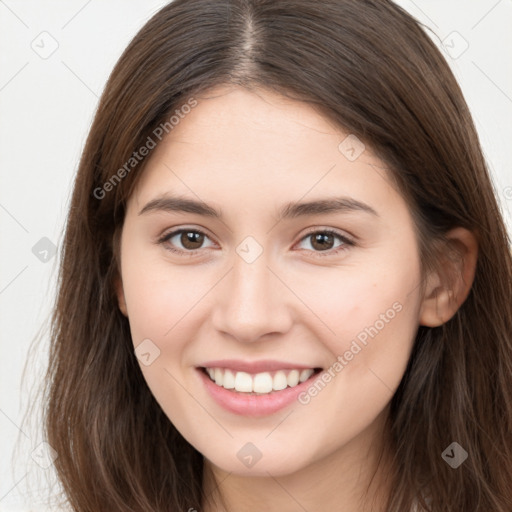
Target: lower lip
(254,405)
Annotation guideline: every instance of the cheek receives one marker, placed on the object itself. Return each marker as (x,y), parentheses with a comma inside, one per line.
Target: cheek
(358,301)
(373,319)
(371,312)
(158,296)
(160,302)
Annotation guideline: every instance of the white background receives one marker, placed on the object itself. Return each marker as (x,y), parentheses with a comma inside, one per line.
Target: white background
(46,109)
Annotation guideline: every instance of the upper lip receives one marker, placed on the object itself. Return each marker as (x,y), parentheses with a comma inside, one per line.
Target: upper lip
(255,366)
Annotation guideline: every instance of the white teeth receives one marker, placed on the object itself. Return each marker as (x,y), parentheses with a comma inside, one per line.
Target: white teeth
(262,382)
(243,382)
(229,380)
(293,378)
(305,374)
(279,381)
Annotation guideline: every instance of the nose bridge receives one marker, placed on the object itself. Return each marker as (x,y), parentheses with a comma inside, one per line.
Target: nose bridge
(252,301)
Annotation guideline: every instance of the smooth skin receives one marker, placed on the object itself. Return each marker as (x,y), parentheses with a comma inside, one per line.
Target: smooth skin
(247,154)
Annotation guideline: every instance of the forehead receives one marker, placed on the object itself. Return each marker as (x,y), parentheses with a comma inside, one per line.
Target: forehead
(244,147)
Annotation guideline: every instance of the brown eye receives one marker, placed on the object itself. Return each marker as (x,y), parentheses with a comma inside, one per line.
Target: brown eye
(322,241)
(184,240)
(191,239)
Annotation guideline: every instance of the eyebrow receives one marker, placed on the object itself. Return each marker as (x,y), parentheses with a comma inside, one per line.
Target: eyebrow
(169,203)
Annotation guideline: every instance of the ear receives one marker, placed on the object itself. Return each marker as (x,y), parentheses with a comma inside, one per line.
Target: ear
(120,296)
(447,289)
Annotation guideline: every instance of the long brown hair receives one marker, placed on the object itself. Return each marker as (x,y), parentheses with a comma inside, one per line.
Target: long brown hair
(369,67)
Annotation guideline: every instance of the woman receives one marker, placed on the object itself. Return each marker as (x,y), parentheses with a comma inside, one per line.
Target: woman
(286,283)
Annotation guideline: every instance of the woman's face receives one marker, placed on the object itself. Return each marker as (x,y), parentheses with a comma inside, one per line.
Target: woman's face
(297,255)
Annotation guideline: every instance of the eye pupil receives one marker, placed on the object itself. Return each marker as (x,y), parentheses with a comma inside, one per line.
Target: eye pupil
(322,238)
(189,238)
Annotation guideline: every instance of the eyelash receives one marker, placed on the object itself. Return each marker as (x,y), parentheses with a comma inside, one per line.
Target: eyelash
(346,242)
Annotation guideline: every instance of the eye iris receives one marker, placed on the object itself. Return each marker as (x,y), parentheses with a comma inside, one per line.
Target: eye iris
(322,238)
(189,238)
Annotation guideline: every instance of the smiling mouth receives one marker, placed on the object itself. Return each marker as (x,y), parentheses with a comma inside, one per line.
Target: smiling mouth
(263,383)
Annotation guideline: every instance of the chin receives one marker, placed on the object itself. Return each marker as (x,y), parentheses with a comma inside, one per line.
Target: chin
(276,464)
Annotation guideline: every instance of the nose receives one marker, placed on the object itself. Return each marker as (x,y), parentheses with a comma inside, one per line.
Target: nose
(252,302)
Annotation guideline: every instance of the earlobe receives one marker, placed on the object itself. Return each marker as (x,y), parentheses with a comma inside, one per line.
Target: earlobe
(434,302)
(447,289)
(438,307)
(120,296)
